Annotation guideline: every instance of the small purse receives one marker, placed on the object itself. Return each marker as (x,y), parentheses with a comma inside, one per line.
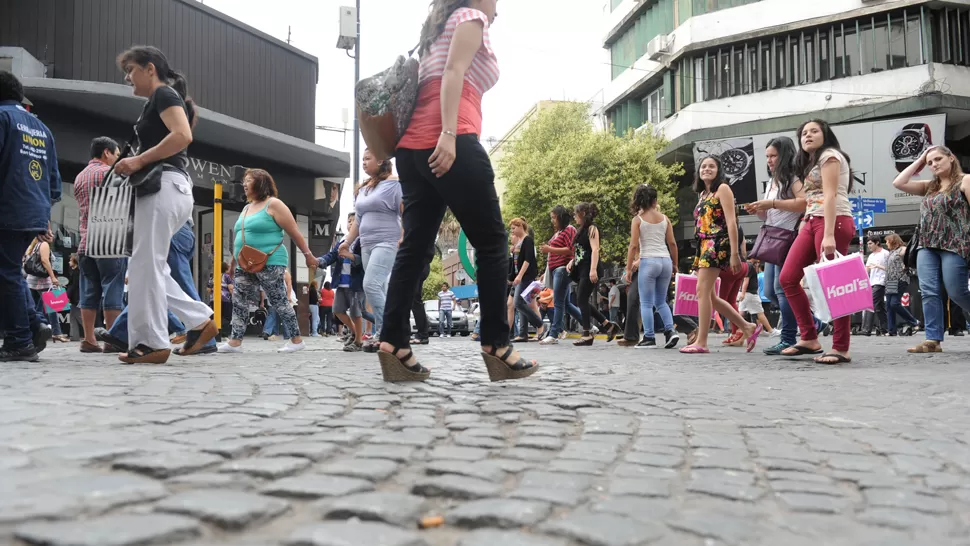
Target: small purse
(772,244)
(912,249)
(145,181)
(252,260)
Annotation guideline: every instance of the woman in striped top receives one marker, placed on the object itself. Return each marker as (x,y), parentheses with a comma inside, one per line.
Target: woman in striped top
(442,165)
(560,251)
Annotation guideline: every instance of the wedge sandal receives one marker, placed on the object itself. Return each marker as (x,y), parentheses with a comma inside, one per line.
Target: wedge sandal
(395,370)
(143,354)
(195,340)
(499,368)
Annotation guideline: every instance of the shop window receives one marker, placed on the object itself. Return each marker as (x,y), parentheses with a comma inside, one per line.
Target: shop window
(914,39)
(808,59)
(781,70)
(738,73)
(794,61)
(764,66)
(653,105)
(751,81)
(724,79)
(697,74)
(824,56)
(850,60)
(710,81)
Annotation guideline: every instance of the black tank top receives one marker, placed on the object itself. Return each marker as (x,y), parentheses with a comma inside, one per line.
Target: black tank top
(584,251)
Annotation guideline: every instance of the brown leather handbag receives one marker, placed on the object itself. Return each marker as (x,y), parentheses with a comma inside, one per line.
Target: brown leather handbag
(250,259)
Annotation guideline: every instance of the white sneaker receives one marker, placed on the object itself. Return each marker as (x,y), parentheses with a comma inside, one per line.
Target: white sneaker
(563,334)
(775,333)
(226,348)
(291,347)
(549,340)
(595,330)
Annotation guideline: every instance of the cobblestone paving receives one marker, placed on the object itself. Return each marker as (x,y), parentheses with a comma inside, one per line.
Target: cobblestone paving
(604,446)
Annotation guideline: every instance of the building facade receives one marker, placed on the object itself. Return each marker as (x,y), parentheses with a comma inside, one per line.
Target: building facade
(256,97)
(724,76)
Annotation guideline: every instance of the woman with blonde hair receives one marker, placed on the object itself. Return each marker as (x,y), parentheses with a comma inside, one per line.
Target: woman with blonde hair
(525,271)
(443,165)
(897,282)
(944,238)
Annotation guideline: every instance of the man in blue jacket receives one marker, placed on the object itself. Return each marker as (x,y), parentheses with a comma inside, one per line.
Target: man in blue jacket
(29,183)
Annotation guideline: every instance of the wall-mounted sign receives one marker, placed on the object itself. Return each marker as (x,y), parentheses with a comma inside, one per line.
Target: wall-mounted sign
(204,172)
(320,229)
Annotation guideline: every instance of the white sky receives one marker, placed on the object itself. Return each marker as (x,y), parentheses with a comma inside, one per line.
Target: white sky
(547,49)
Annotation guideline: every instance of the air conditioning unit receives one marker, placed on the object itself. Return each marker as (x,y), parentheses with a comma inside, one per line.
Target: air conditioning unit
(659,46)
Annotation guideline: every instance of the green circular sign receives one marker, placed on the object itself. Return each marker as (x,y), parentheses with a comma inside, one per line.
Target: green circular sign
(466,261)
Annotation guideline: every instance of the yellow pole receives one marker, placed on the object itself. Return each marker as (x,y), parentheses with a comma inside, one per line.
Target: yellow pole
(217,255)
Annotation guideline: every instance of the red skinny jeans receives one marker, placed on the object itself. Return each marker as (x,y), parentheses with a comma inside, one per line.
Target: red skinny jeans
(805,252)
(731,286)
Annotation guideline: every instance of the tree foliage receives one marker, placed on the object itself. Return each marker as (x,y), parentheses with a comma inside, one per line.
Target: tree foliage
(560,159)
(431,286)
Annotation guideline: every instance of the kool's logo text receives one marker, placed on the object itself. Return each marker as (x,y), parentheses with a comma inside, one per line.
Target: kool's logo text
(839,291)
(687,296)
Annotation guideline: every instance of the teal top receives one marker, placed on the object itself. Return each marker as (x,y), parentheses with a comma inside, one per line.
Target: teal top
(263,234)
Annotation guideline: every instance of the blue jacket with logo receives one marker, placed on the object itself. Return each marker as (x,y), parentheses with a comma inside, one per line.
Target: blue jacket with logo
(29,179)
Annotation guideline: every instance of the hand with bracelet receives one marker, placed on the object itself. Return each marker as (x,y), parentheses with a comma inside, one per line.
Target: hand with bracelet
(444,153)
(760,206)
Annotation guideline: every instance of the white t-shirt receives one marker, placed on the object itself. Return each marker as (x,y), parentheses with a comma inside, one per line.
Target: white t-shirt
(615,296)
(877,276)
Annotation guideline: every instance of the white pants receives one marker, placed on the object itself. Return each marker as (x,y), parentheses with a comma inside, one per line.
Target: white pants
(152,291)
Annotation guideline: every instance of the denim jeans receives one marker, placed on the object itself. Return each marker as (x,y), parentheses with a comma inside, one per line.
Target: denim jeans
(378,262)
(895,302)
(272,325)
(314,320)
(774,293)
(444,317)
(938,269)
(179,256)
(561,301)
(19,317)
(654,278)
(523,311)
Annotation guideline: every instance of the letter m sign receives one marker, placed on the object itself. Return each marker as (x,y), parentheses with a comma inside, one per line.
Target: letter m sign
(321,229)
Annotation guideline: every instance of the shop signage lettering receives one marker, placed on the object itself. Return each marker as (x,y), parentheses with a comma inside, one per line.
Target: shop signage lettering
(204,172)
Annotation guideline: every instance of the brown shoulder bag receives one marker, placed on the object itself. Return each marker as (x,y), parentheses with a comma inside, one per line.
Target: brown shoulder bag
(250,259)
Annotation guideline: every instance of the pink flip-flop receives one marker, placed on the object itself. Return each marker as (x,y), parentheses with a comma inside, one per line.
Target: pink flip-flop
(694,350)
(753,340)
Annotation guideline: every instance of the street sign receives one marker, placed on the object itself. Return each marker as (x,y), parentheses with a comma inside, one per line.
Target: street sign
(863,219)
(869,204)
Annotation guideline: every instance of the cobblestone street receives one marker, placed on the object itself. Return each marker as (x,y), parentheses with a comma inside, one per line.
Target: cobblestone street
(628,447)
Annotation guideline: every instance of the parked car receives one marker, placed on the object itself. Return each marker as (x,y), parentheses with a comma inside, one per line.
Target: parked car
(460,323)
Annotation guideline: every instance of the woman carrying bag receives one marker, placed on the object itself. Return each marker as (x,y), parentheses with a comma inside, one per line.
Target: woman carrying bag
(40,280)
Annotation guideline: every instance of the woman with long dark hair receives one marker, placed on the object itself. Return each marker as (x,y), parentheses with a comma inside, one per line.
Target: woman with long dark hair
(378,225)
(944,238)
(163,132)
(782,207)
(716,231)
(560,251)
(586,270)
(897,282)
(828,228)
(443,165)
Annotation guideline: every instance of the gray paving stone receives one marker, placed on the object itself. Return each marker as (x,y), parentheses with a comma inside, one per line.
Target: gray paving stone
(719,458)
(798,477)
(785,486)
(528,454)
(554,495)
(856,463)
(115,530)
(724,489)
(910,500)
(514,466)
(654,459)
(483,470)
(457,487)
(368,469)
(498,513)
(270,468)
(470,454)
(606,424)
(466,440)
(491,537)
(618,440)
(914,465)
(601,529)
(539,442)
(555,480)
(315,486)
(905,520)
(166,465)
(353,534)
(405,437)
(728,528)
(639,508)
(226,509)
(577,467)
(637,471)
(315,451)
(208,480)
(782,464)
(240,447)
(640,487)
(393,508)
(589,451)
(811,502)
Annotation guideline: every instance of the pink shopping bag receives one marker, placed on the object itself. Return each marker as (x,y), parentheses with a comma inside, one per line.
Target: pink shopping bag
(839,287)
(55,300)
(685,295)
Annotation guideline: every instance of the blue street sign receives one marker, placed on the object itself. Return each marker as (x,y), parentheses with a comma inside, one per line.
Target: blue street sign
(863,219)
(870,204)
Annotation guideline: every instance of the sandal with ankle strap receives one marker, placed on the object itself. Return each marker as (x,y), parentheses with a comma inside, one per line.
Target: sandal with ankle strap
(499,368)
(143,354)
(395,370)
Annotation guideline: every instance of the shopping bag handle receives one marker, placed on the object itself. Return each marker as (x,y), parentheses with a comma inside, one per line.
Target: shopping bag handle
(823,258)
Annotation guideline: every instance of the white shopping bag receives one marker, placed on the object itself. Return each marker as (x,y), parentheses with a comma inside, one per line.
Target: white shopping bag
(839,287)
(111,220)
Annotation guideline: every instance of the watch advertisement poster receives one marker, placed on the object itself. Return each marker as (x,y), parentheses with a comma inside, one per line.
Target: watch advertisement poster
(879,151)
(737,162)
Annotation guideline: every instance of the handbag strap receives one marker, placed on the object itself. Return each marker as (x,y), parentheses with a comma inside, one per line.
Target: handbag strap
(243,234)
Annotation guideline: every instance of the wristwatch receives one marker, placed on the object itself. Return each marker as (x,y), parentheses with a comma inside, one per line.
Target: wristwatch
(736,164)
(910,143)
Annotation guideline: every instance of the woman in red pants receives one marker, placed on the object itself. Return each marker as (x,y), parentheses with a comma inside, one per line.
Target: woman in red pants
(730,288)
(827,228)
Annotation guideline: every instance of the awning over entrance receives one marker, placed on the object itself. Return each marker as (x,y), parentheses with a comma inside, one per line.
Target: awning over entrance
(115,102)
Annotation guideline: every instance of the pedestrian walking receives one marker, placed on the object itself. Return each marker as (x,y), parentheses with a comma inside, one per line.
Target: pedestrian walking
(40,284)
(163,132)
(750,303)
(585,270)
(349,277)
(260,227)
(897,279)
(326,309)
(443,165)
(718,247)
(446,306)
(944,238)
(652,244)
(73,296)
(378,225)
(560,252)
(313,302)
(102,279)
(828,228)
(876,264)
(525,270)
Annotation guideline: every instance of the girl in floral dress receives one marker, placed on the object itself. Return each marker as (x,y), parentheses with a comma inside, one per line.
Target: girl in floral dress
(717,247)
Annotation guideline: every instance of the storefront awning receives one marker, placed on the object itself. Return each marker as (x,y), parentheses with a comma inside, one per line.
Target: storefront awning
(115,102)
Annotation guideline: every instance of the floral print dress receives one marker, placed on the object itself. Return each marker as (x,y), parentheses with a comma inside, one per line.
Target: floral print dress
(713,244)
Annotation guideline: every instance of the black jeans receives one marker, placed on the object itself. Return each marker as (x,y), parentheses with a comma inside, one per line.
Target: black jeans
(468,189)
(879,315)
(417,306)
(19,316)
(586,289)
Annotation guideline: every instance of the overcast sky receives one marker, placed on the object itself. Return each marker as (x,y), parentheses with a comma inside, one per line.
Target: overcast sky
(547,49)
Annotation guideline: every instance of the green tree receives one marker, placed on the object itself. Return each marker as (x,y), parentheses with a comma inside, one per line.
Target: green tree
(560,159)
(432,284)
